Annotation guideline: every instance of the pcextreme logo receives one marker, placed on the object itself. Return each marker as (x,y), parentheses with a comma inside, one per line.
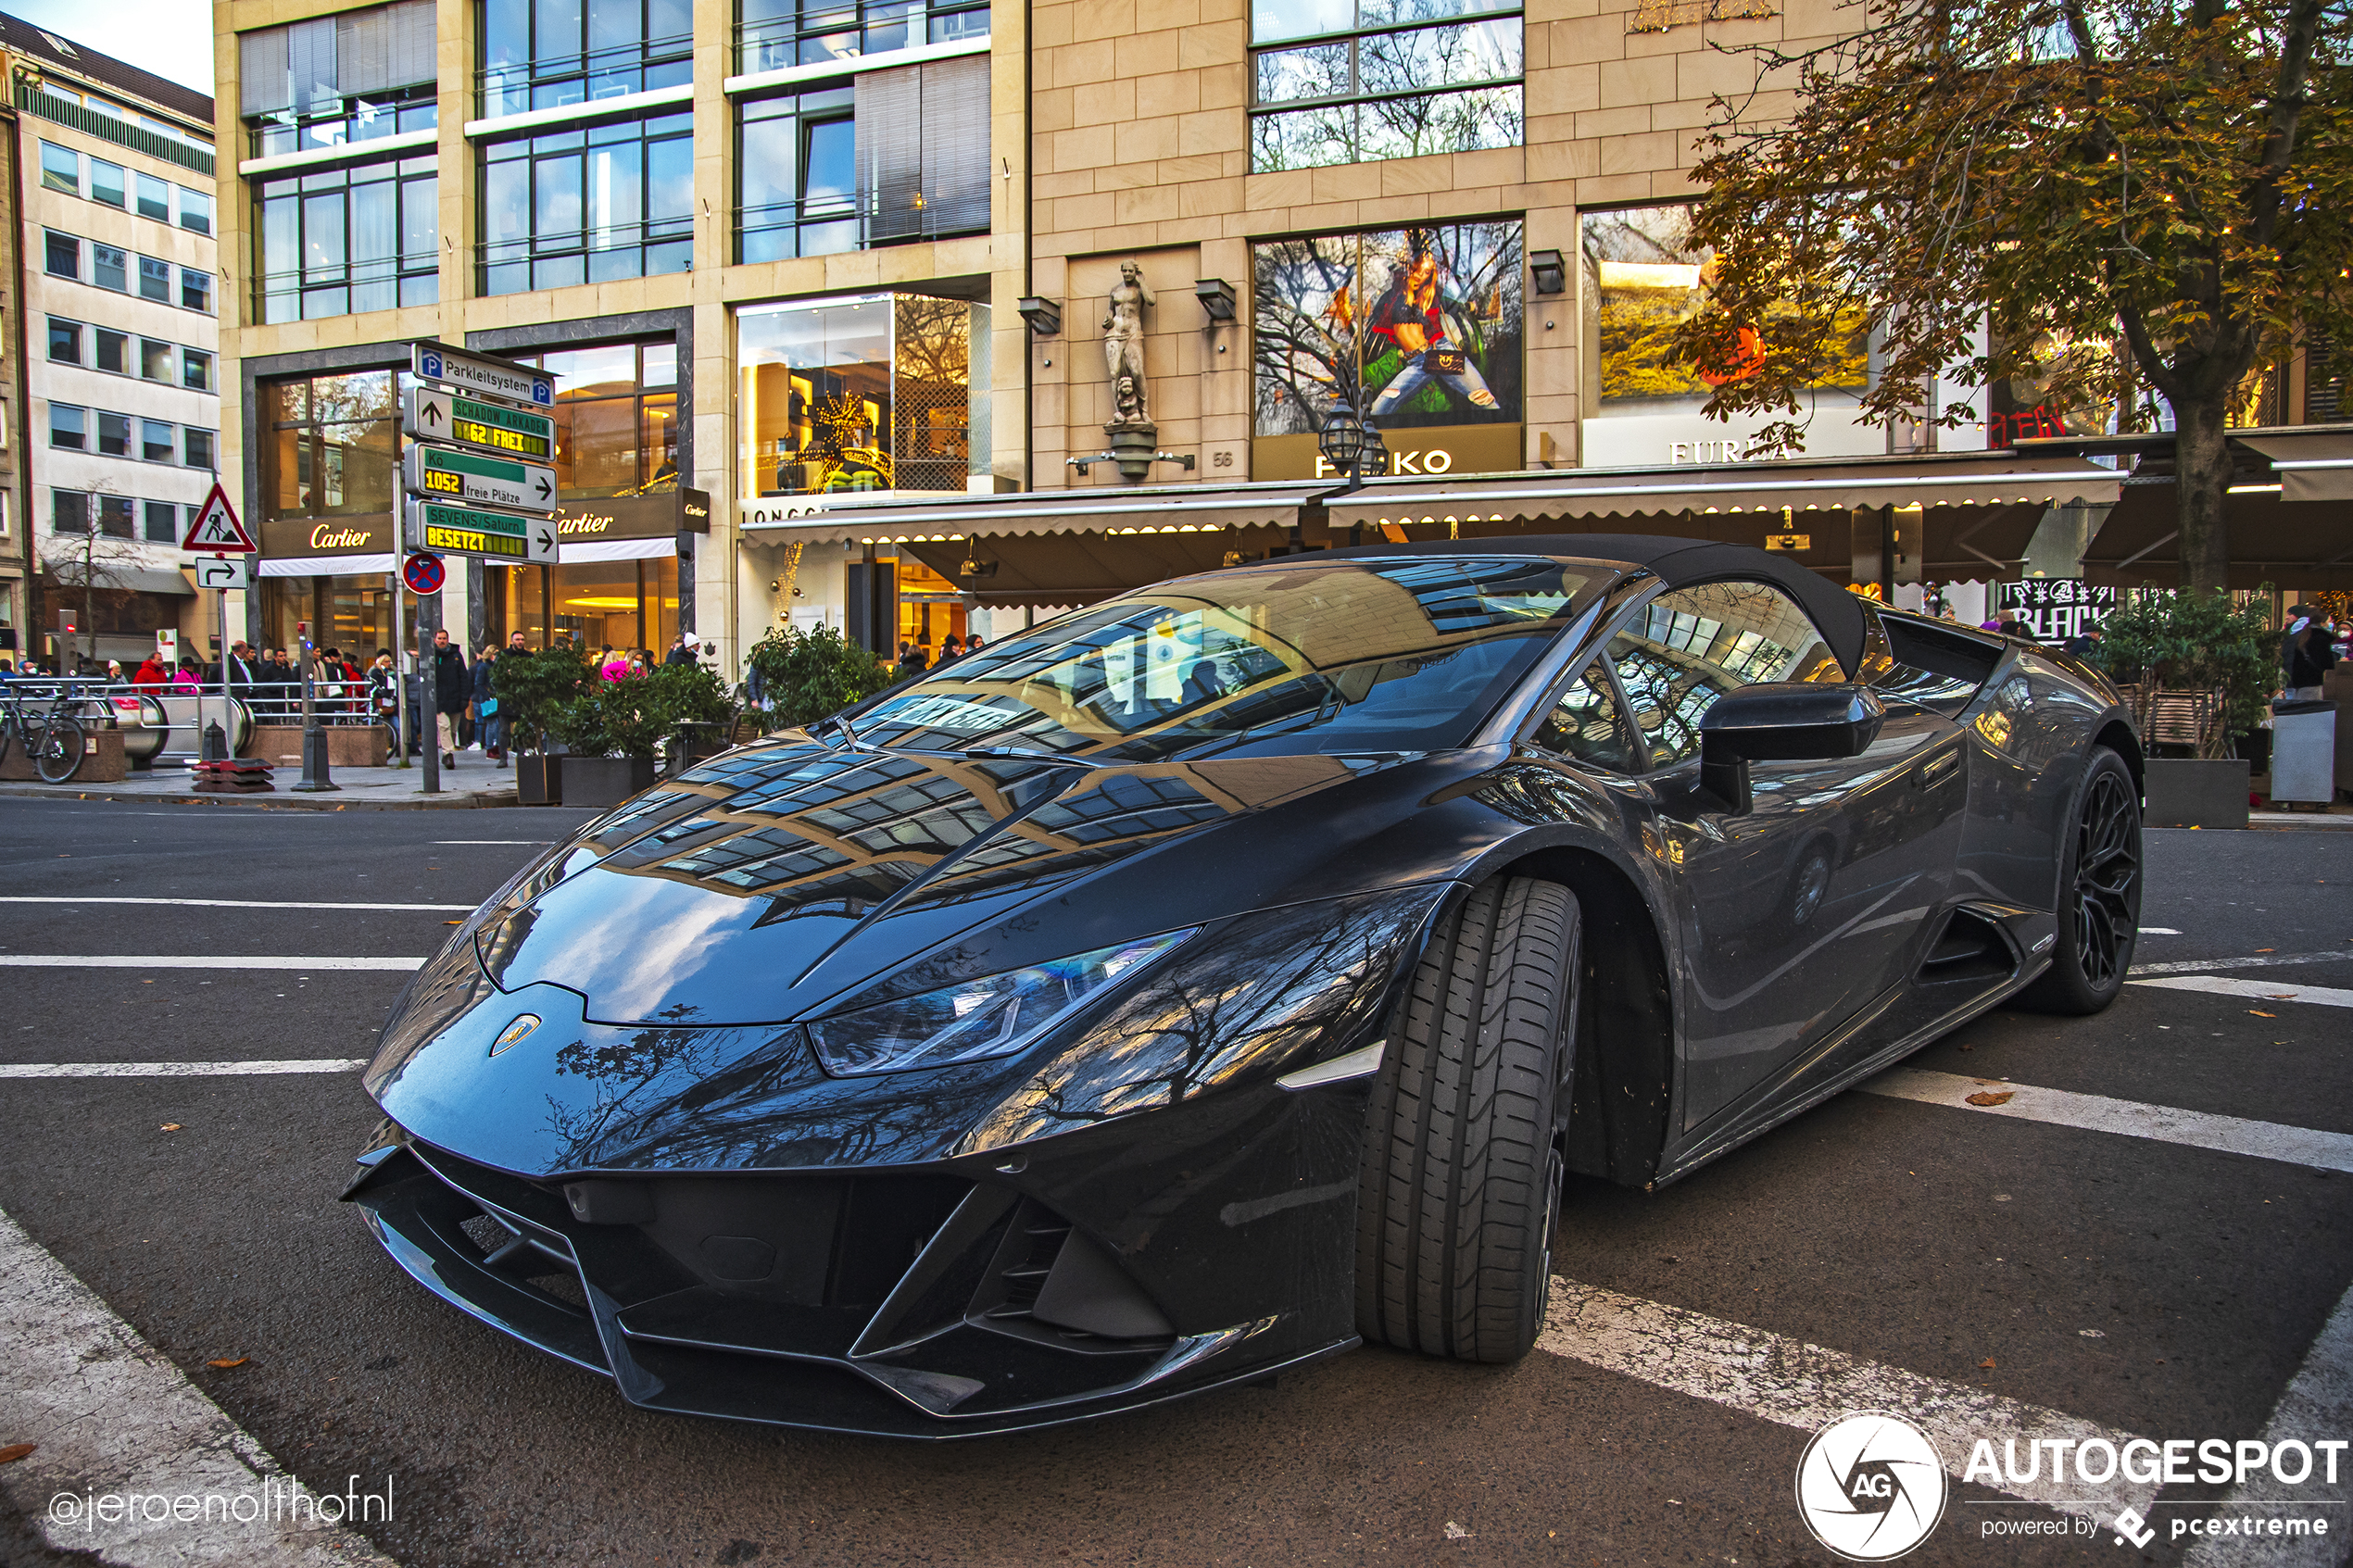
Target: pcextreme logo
(1871,1486)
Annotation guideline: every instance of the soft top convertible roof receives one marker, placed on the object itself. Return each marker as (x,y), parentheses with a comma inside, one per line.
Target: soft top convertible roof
(1676,562)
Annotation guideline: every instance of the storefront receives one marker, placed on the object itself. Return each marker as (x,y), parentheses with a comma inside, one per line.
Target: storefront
(616,585)
(330,475)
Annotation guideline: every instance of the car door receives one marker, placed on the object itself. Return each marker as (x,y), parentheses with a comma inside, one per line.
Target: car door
(1804,907)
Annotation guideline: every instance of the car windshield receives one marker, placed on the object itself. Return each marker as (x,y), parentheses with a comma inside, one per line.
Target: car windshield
(1367,654)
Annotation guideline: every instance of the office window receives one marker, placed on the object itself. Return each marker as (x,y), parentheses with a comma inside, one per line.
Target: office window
(163,522)
(114,351)
(155,360)
(339,80)
(196,290)
(195,211)
(199,448)
(62,255)
(544,53)
(348,240)
(107,184)
(68,427)
(117,517)
(331,446)
(797,174)
(155,280)
(60,169)
(588,205)
(157,441)
(774,34)
(114,434)
(68,511)
(65,342)
(1348,85)
(616,418)
(109,268)
(154,198)
(196,369)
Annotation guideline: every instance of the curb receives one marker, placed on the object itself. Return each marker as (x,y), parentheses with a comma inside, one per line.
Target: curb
(467,800)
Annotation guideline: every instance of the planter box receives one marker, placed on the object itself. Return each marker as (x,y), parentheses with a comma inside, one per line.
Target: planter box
(348,746)
(102,761)
(599,782)
(2183,793)
(539,779)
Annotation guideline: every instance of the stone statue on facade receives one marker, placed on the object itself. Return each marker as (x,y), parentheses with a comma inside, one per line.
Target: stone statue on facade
(1123,344)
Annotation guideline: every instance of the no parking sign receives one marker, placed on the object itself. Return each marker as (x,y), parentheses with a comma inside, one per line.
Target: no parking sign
(424,574)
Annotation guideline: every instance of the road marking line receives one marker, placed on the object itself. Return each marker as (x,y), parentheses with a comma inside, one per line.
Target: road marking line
(1794,1383)
(190,960)
(2062,1108)
(2252,961)
(176,1068)
(236,903)
(494,841)
(2158,931)
(110,1414)
(2317,1400)
(2320,996)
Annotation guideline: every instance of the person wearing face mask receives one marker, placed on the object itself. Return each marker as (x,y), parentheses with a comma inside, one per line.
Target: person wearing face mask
(2309,651)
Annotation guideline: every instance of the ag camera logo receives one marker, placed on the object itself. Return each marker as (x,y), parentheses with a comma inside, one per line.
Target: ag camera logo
(1871,1486)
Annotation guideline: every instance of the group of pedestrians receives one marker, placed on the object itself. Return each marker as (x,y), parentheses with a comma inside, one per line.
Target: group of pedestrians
(916,658)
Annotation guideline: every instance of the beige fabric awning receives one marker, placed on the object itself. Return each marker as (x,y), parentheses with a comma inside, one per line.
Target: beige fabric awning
(2289,511)
(1180,509)
(1940,479)
(2315,466)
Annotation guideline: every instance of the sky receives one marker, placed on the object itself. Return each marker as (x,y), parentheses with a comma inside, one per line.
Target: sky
(172,38)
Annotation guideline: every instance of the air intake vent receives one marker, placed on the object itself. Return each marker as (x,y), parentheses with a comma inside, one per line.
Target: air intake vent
(1048,1283)
(1970,948)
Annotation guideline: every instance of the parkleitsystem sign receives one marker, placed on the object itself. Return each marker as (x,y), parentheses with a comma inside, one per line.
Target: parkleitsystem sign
(477,467)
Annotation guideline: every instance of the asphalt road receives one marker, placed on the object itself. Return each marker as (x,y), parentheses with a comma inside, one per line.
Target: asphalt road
(2133,1283)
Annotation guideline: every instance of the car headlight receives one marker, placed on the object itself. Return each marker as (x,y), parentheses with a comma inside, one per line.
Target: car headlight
(993,1016)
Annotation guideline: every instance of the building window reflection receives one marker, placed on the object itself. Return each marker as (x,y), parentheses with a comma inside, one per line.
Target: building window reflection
(883,392)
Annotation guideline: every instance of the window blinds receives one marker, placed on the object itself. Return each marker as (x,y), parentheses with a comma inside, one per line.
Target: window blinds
(308,63)
(922,149)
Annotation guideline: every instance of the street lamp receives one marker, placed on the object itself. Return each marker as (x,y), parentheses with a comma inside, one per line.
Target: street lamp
(1350,446)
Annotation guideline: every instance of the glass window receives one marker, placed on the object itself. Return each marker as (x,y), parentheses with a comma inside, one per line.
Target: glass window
(114,351)
(199,448)
(196,290)
(331,448)
(154,279)
(62,256)
(155,360)
(195,210)
(774,34)
(344,241)
(65,342)
(616,418)
(875,392)
(1418,329)
(68,427)
(68,511)
(196,369)
(1585,724)
(573,207)
(114,435)
(544,53)
(154,198)
(114,517)
(1691,645)
(60,169)
(1384,79)
(163,522)
(109,268)
(107,184)
(796,176)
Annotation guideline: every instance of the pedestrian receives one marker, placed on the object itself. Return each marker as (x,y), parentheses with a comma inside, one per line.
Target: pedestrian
(450,683)
(515,642)
(2085,644)
(912,662)
(952,650)
(384,695)
(972,643)
(611,664)
(681,652)
(490,724)
(188,679)
(2309,651)
(149,677)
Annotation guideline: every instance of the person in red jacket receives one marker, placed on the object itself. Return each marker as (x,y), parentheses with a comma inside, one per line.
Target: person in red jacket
(150,676)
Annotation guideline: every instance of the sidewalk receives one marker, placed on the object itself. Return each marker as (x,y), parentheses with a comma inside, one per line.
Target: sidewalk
(474,782)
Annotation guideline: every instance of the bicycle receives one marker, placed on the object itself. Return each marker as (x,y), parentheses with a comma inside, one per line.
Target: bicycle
(52,740)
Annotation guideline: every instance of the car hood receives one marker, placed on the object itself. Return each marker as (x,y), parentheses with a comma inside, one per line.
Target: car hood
(759,888)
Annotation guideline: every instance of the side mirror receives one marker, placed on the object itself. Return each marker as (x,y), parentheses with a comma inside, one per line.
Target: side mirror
(1782,721)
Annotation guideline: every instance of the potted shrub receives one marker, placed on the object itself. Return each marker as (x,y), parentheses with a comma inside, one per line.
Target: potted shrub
(693,708)
(533,689)
(2204,669)
(800,677)
(611,730)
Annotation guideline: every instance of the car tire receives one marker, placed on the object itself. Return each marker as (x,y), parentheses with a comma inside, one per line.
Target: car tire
(2099,893)
(1461,1178)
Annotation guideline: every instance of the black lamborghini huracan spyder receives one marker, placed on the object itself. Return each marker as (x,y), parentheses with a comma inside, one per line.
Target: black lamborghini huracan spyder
(1224,974)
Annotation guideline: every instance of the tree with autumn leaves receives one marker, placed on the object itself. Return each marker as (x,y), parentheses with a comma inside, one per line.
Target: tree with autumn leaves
(2108,200)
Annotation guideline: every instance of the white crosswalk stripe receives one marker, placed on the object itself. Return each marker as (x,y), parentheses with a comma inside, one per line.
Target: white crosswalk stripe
(233,903)
(2252,961)
(186,961)
(177,1068)
(2260,990)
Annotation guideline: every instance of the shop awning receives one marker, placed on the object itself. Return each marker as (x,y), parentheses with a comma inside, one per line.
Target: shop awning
(2289,514)
(147,580)
(577,552)
(1181,508)
(328,566)
(1079,569)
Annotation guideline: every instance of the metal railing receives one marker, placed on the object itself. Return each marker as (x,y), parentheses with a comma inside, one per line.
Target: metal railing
(162,725)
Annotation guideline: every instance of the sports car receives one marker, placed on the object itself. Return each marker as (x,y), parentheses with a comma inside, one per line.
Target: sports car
(1226,974)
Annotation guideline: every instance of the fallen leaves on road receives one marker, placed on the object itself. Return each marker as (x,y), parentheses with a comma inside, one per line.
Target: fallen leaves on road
(453,922)
(170,1127)
(225,1366)
(1455,1532)
(2258,1013)
(2267,950)
(1986,1365)
(1983,1097)
(2091,1333)
(16,1451)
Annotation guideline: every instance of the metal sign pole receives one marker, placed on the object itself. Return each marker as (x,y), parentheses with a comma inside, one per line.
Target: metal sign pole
(428,705)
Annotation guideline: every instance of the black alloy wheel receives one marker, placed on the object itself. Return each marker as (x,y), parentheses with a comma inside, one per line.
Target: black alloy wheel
(2099,909)
(1462,1171)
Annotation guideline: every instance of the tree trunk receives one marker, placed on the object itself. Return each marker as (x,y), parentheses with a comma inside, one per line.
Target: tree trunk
(2202,482)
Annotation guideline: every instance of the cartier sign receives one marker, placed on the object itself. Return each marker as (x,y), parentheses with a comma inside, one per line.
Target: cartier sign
(621,517)
(285,537)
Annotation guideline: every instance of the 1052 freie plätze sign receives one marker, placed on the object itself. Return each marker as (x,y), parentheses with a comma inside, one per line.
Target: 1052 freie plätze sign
(470,531)
(440,473)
